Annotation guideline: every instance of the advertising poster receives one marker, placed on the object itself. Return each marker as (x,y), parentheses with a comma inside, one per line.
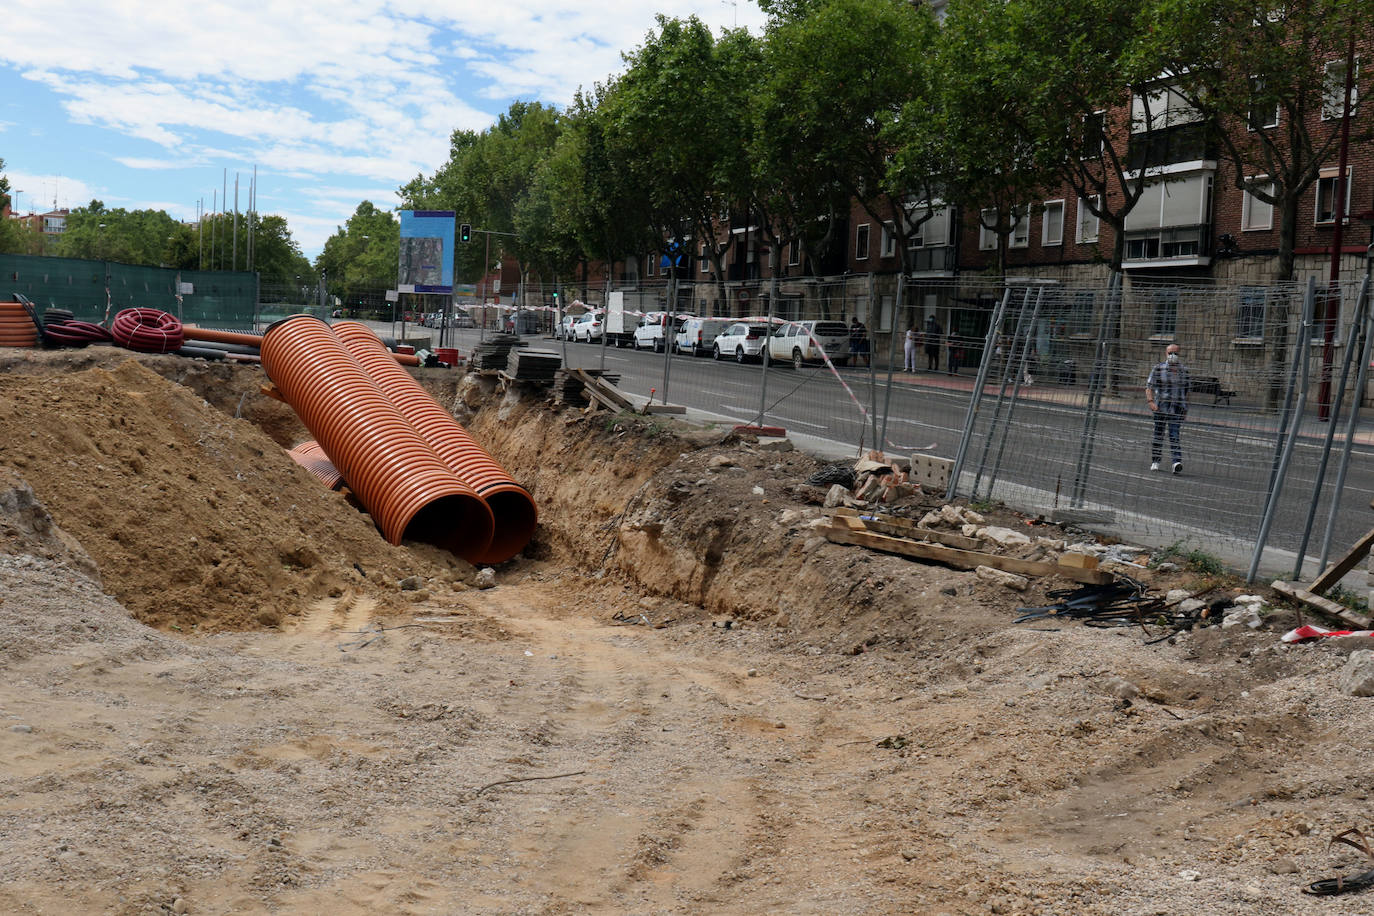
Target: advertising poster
(426,252)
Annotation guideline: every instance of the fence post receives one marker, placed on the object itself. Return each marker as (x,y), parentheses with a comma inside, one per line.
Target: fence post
(1095,386)
(1361,377)
(1016,387)
(1005,364)
(766,357)
(880,443)
(1276,488)
(1335,412)
(671,309)
(975,399)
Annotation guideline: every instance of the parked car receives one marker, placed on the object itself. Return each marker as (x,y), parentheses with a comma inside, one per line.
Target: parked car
(801,342)
(588,327)
(696,335)
(742,340)
(564,329)
(649,334)
(462,320)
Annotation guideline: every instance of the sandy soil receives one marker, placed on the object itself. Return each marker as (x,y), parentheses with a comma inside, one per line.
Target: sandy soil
(218,698)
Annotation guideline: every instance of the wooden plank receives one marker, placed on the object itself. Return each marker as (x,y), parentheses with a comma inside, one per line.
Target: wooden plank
(605,391)
(898,526)
(1325,605)
(1333,573)
(948,538)
(664,408)
(963,559)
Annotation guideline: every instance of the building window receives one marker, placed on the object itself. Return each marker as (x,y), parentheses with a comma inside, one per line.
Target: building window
(861,243)
(649,263)
(1333,90)
(1250,313)
(1020,230)
(1263,113)
(987,238)
(1052,223)
(1094,127)
(1080,317)
(1159,108)
(1256,214)
(794,253)
(1326,195)
(1165,313)
(1087,220)
(889,239)
(701,255)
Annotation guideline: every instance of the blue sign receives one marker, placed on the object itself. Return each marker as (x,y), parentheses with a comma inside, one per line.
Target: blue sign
(426,263)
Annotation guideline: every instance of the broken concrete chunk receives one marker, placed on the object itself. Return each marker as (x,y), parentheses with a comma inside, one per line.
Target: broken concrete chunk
(1357,677)
(1002,577)
(412,583)
(1188,605)
(969,531)
(720,461)
(757,491)
(775,445)
(1004,537)
(951,514)
(973,518)
(1121,688)
(789,517)
(486,578)
(931,520)
(1058,544)
(836,496)
(1176,594)
(1242,615)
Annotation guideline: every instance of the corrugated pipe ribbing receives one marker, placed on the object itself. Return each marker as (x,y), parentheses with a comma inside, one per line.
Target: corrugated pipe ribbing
(511,504)
(310,456)
(408,489)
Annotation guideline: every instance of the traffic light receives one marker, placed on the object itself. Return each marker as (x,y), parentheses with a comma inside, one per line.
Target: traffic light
(465,232)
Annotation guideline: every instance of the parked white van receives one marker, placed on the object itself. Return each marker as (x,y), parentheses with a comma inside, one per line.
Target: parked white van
(697,334)
(801,342)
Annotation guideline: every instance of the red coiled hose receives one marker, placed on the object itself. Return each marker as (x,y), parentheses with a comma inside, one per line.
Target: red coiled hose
(74,333)
(147,331)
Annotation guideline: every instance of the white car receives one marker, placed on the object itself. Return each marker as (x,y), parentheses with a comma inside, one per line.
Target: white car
(649,334)
(564,329)
(801,342)
(742,340)
(588,327)
(696,335)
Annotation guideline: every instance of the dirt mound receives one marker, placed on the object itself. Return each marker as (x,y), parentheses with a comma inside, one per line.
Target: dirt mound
(193,519)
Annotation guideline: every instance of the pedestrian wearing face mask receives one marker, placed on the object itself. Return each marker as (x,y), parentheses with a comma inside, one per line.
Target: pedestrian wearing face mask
(1166,391)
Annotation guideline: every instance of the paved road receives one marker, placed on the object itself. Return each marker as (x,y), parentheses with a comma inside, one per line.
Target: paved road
(1228,452)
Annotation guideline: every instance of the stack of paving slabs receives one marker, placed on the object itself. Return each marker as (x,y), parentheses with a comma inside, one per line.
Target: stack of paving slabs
(533,365)
(492,353)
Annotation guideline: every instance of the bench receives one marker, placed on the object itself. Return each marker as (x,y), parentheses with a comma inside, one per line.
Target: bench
(1210,384)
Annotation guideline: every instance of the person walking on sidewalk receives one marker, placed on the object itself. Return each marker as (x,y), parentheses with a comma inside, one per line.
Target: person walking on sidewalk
(1166,391)
(913,342)
(858,342)
(933,334)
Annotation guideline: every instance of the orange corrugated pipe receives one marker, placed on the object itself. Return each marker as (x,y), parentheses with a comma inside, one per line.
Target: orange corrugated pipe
(310,456)
(243,338)
(511,504)
(249,339)
(408,489)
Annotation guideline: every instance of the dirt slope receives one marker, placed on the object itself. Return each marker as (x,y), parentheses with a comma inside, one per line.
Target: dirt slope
(869,735)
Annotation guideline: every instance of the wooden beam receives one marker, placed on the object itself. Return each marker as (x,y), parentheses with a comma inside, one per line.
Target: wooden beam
(898,526)
(1333,573)
(1325,605)
(963,559)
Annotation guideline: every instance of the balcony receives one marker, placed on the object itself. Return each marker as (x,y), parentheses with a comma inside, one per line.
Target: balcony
(930,262)
(1184,143)
(1171,246)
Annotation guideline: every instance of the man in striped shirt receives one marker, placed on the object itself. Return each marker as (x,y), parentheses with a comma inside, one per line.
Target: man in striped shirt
(1166,391)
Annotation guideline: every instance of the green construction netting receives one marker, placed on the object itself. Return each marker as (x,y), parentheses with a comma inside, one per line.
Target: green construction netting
(93,289)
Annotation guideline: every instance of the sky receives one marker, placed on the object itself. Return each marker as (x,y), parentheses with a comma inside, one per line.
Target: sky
(145,106)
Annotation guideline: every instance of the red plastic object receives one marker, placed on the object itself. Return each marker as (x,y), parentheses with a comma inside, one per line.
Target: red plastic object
(229,337)
(76,333)
(511,504)
(310,456)
(147,331)
(409,491)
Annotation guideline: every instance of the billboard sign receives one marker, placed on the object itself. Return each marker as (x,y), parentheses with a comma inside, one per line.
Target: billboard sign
(426,252)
